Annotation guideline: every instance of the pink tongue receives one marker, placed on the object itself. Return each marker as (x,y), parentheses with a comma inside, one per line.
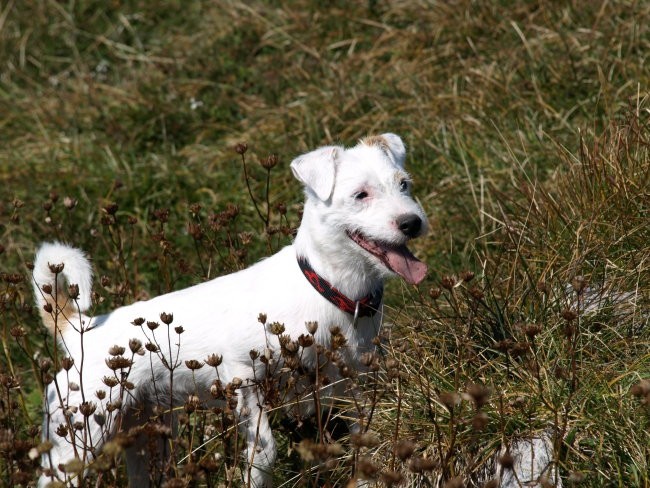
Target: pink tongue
(402,262)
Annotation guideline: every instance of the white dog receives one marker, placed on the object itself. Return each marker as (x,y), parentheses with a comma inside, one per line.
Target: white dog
(358,218)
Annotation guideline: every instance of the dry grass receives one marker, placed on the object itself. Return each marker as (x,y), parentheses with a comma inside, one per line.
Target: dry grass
(527,133)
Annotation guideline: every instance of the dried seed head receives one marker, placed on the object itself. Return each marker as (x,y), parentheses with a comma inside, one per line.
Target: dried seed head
(241,148)
(476,293)
(420,464)
(161,215)
(276,328)
(569,315)
(261,318)
(73,291)
(45,364)
(404,449)
(193,364)
(306,340)
(579,283)
(138,322)
(152,325)
(179,329)
(270,162)
(118,362)
(167,318)
(100,419)
(47,289)
(531,330)
(448,282)
(67,362)
(507,460)
(366,468)
(365,439)
(62,430)
(311,327)
(135,345)
(151,347)
(110,208)
(116,350)
(214,360)
(110,381)
(69,203)
(456,482)
(87,408)
(467,276)
(17,332)
(449,399)
(100,394)
(479,394)
(56,268)
(254,354)
(480,421)
(391,478)
(435,292)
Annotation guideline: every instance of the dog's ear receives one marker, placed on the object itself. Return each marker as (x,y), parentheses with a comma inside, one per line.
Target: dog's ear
(395,147)
(317,170)
(389,143)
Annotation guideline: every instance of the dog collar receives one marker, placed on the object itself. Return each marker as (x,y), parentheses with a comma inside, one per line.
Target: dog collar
(367,306)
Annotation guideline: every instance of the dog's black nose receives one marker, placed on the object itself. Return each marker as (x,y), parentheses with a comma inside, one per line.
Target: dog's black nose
(409,224)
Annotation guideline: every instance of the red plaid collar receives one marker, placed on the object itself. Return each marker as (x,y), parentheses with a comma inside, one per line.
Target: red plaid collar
(368,305)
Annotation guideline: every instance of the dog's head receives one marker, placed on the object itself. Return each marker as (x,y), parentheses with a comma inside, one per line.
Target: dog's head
(359,201)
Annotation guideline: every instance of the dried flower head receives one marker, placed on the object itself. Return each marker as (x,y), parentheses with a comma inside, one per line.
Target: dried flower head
(135,345)
(116,350)
(270,162)
(507,460)
(404,449)
(214,360)
(479,394)
(311,327)
(448,282)
(67,362)
(276,328)
(421,464)
(193,364)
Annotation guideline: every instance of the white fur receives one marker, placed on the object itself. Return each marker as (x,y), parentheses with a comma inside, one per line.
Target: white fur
(221,316)
(76,270)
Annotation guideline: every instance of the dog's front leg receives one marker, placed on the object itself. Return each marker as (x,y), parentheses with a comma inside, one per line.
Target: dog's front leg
(260,445)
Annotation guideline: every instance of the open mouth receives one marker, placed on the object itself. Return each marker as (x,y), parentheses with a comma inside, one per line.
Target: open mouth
(396,258)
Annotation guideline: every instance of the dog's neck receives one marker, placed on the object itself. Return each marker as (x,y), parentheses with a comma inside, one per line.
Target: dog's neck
(335,259)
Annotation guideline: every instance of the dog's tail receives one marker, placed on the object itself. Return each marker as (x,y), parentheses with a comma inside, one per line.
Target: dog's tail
(62,284)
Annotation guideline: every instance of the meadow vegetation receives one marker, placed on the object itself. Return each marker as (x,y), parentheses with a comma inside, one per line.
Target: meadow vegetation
(157,136)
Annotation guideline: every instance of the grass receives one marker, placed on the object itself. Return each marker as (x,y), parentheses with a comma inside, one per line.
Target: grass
(527,132)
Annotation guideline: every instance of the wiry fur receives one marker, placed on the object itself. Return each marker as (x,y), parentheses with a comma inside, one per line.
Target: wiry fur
(221,316)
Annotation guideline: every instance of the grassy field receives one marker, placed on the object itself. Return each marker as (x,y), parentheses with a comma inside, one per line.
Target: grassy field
(527,130)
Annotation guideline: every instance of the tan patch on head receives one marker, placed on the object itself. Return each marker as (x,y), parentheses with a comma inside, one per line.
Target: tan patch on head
(61,315)
(377,141)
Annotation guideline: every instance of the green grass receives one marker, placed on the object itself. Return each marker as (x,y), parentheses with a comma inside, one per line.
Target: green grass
(527,129)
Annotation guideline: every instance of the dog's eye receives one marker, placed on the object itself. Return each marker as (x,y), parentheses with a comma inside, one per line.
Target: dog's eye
(404,185)
(361,195)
